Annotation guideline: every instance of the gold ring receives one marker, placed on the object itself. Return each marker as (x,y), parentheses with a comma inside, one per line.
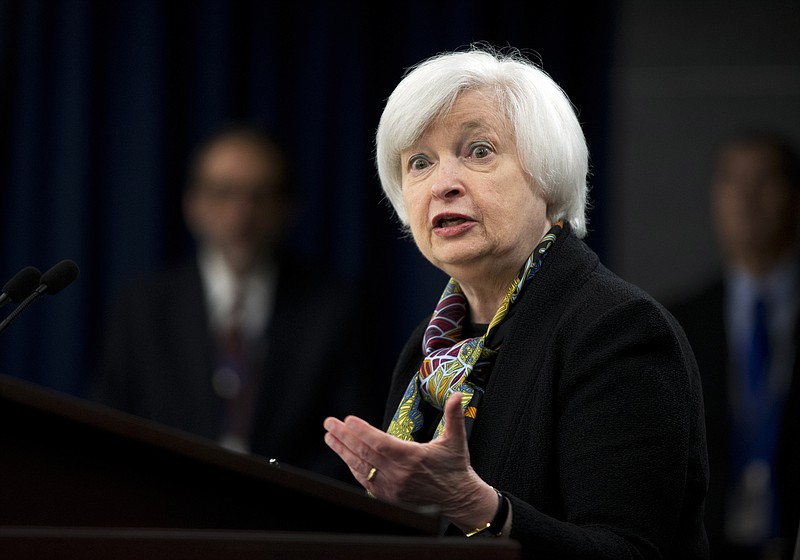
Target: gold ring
(372,472)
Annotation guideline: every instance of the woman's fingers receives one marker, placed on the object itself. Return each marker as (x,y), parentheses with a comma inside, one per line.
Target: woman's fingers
(354,440)
(454,428)
(399,469)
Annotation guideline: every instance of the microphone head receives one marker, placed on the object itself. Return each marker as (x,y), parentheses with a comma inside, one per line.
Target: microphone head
(22,284)
(60,276)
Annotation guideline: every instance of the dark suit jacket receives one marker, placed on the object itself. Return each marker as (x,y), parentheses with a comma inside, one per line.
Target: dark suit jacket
(702,317)
(159,355)
(592,419)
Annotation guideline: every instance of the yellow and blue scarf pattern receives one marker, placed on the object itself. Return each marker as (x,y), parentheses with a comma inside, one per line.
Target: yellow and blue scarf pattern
(453,363)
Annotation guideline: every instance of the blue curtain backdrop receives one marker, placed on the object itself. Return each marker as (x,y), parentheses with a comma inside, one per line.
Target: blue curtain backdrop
(101,102)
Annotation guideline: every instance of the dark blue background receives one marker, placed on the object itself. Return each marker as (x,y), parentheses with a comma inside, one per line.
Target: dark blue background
(101,102)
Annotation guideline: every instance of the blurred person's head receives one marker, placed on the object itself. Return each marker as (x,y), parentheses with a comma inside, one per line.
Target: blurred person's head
(238,200)
(756,200)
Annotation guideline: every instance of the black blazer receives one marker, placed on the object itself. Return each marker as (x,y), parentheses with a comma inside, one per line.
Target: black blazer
(702,317)
(158,357)
(592,419)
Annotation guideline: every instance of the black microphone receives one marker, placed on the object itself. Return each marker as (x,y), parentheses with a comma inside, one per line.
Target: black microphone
(53,281)
(21,285)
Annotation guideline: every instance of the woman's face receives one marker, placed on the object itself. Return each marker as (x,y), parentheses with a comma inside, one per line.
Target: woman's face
(472,209)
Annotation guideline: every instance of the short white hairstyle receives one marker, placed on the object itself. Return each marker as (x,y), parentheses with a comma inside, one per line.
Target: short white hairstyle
(550,141)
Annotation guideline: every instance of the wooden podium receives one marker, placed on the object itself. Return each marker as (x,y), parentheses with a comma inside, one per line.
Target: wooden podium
(80,480)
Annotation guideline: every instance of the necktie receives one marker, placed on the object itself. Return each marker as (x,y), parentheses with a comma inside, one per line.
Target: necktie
(233,380)
(752,514)
(758,353)
(231,354)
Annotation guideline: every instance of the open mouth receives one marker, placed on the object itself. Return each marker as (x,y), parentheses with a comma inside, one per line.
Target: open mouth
(447,222)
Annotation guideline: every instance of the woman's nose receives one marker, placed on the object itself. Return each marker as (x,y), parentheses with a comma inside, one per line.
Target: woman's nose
(448,182)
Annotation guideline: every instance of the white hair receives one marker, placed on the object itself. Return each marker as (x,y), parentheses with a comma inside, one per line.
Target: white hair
(550,141)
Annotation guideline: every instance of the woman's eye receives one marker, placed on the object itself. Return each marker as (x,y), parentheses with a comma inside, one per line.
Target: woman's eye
(417,163)
(480,151)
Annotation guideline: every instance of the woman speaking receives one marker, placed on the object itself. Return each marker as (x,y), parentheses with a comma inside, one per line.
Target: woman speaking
(545,399)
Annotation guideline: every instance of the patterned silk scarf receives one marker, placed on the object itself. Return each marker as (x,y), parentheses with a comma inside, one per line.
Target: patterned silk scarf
(453,363)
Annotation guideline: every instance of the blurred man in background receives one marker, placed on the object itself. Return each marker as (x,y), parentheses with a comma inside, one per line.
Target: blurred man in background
(744,332)
(242,343)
